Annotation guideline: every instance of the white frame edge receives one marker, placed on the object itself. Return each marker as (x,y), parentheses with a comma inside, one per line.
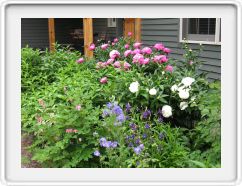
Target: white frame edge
(235,3)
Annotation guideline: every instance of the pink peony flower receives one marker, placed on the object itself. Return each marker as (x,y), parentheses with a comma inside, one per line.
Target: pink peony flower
(136,51)
(114,54)
(138,58)
(169,68)
(164,59)
(113,43)
(127,52)
(117,64)
(160,59)
(115,40)
(103,80)
(126,46)
(126,66)
(109,61)
(137,45)
(75,131)
(80,60)
(147,50)
(92,46)
(146,61)
(69,130)
(129,34)
(167,50)
(104,46)
(78,107)
(159,46)
(190,62)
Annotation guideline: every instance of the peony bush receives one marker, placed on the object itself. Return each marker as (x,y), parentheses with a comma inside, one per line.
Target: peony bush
(129,106)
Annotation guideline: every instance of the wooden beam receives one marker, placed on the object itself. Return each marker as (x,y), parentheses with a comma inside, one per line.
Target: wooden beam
(51,27)
(88,36)
(138,29)
(129,27)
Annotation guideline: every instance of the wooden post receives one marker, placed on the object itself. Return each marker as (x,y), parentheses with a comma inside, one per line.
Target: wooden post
(88,36)
(129,27)
(51,27)
(138,29)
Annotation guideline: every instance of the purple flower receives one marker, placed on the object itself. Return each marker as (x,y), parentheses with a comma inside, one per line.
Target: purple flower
(127,118)
(137,150)
(107,144)
(130,144)
(133,126)
(161,136)
(114,144)
(146,114)
(102,141)
(109,105)
(106,113)
(117,110)
(141,146)
(147,126)
(120,118)
(96,153)
(137,141)
(128,107)
(144,135)
(160,119)
(132,136)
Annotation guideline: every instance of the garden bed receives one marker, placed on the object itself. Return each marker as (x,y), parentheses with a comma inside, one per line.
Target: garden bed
(129,106)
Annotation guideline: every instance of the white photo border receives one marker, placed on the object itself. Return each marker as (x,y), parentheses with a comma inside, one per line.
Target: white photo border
(3,115)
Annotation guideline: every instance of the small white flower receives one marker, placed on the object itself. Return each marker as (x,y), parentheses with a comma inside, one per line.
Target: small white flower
(80,139)
(152,91)
(183,105)
(187,81)
(166,111)
(174,88)
(193,98)
(134,87)
(95,133)
(163,72)
(184,94)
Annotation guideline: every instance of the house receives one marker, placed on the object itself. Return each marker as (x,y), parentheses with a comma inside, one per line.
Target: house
(79,33)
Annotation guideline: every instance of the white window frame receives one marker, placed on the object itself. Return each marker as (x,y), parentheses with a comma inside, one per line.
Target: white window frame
(217,34)
(111,22)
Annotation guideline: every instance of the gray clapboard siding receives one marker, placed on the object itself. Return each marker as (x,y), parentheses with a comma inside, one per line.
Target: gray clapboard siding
(34,32)
(166,30)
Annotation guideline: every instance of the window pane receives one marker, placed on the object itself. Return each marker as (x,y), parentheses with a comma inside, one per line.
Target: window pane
(204,26)
(193,26)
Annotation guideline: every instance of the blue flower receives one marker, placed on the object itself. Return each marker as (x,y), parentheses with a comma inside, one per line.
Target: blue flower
(106,113)
(161,136)
(133,126)
(160,119)
(144,135)
(96,153)
(147,126)
(114,144)
(128,107)
(117,110)
(142,146)
(102,141)
(109,105)
(137,150)
(137,141)
(146,114)
(130,144)
(120,118)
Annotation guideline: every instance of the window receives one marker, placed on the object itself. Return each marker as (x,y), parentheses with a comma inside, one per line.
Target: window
(111,22)
(201,30)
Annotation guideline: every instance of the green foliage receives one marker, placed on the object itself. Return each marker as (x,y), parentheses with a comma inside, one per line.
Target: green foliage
(64,104)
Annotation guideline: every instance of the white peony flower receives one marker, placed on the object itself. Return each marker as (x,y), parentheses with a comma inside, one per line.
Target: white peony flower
(174,88)
(166,111)
(187,81)
(152,91)
(134,87)
(184,94)
(183,105)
